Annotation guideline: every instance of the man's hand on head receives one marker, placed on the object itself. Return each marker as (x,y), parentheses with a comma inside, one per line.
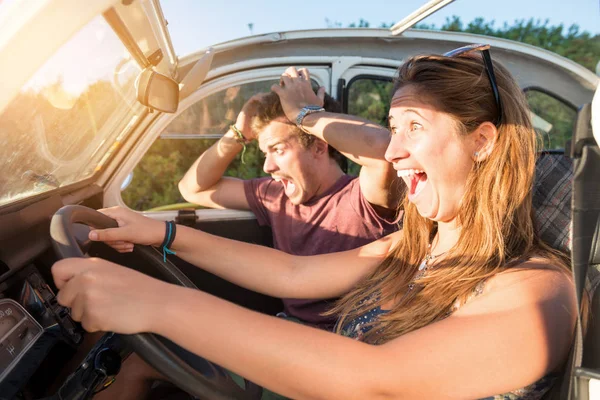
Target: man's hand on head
(244,118)
(295,91)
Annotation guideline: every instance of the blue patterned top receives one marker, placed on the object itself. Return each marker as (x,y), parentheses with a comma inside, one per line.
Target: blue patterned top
(358,327)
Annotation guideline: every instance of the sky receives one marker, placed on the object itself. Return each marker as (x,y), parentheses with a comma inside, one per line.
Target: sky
(196,24)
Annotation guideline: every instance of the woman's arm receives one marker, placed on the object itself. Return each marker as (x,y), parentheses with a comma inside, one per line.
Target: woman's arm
(519,330)
(509,337)
(257,268)
(275,273)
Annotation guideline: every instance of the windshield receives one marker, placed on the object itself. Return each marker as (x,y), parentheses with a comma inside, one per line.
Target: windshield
(59,127)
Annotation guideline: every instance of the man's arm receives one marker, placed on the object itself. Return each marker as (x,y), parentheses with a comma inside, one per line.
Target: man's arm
(204,182)
(362,141)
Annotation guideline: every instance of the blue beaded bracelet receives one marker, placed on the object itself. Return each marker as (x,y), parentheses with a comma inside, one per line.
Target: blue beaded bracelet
(170,231)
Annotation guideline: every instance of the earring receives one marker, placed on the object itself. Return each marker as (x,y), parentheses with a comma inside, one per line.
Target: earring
(476,154)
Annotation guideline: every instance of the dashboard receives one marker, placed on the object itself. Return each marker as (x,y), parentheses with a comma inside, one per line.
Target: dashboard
(42,350)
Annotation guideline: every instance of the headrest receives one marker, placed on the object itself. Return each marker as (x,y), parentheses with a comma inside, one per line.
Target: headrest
(552,199)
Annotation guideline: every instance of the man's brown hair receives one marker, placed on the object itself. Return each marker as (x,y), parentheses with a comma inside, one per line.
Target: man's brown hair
(270,109)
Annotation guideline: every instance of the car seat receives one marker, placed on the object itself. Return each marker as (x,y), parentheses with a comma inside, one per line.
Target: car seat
(567,211)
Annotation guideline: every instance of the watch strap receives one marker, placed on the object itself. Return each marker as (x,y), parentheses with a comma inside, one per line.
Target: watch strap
(306,110)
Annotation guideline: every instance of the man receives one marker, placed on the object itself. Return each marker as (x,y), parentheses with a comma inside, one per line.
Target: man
(312,206)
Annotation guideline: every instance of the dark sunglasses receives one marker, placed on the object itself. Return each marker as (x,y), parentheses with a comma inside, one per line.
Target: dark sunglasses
(489,68)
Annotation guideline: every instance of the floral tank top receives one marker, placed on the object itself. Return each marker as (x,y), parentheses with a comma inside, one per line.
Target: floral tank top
(357,328)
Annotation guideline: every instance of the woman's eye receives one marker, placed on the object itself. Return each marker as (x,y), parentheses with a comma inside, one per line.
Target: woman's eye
(279,151)
(415,126)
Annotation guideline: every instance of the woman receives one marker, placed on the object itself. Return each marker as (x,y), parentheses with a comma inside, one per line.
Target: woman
(465,302)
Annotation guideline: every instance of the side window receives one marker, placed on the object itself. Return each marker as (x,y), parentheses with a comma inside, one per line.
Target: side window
(553,119)
(369,97)
(153,186)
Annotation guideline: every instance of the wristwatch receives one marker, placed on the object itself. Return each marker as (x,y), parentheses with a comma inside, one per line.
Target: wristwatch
(304,112)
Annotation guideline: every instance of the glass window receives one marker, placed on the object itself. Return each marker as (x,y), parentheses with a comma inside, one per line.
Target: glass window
(369,97)
(60,126)
(213,114)
(552,119)
(155,178)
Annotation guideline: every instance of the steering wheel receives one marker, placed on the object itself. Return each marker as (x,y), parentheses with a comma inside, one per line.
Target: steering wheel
(213,385)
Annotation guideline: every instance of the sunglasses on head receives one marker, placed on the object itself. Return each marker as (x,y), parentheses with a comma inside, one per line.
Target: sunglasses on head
(489,68)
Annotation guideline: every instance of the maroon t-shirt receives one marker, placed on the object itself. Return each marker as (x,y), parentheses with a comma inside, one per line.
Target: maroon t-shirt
(338,220)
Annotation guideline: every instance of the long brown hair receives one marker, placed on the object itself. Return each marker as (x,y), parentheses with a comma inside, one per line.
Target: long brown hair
(495,216)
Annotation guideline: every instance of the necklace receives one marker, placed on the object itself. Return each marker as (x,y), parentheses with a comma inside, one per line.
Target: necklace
(429,257)
(424,266)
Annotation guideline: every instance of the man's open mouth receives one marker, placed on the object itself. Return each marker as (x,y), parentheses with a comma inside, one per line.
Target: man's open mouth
(288,186)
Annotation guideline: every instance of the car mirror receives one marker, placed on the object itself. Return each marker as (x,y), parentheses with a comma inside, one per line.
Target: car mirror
(157,91)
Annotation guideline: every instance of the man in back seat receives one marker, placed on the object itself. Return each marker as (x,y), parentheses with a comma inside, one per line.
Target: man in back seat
(312,206)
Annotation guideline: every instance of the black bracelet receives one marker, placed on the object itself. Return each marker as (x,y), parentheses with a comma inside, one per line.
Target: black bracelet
(170,232)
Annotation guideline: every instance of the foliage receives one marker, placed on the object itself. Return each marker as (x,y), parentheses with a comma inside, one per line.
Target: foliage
(156,177)
(370,99)
(572,43)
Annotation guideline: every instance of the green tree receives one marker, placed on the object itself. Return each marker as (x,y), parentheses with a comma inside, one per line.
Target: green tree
(572,43)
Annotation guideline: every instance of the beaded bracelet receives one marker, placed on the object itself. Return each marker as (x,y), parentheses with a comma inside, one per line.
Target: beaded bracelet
(170,231)
(240,139)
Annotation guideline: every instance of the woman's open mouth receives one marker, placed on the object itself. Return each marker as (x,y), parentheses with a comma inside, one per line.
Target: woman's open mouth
(415,179)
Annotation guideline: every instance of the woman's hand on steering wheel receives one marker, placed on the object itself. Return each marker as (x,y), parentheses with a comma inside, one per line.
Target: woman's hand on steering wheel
(133,229)
(107,297)
(104,296)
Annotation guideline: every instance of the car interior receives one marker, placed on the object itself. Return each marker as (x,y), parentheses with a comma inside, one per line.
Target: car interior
(124,135)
